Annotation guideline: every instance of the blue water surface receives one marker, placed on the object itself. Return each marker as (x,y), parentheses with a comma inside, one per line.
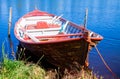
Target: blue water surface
(103,18)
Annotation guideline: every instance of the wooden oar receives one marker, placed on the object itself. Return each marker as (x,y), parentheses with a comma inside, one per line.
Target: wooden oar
(56,18)
(32,37)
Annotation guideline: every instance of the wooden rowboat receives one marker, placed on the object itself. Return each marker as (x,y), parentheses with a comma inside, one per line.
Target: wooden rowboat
(62,42)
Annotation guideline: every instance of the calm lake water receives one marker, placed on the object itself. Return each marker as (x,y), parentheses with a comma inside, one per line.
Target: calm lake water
(103,18)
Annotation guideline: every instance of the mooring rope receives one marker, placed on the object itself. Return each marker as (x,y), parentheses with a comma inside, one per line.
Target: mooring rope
(114,75)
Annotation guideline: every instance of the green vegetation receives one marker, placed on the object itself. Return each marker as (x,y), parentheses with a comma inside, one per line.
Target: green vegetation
(13,69)
(18,70)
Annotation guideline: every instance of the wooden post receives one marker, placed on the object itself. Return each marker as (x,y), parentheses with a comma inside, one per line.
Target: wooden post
(9,28)
(9,21)
(85,19)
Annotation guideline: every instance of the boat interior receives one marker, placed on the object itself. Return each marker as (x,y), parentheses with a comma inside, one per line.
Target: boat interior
(48,28)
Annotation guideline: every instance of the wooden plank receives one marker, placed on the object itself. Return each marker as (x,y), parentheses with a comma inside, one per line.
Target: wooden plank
(42,30)
(60,35)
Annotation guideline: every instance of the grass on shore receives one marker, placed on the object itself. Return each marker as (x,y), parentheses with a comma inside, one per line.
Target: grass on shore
(18,70)
(15,69)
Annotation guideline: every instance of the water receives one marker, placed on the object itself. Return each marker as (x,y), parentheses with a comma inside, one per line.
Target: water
(103,18)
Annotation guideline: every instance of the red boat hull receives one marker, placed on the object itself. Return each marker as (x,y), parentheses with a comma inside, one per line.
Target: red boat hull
(62,54)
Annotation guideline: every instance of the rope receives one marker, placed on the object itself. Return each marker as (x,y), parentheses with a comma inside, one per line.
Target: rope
(114,75)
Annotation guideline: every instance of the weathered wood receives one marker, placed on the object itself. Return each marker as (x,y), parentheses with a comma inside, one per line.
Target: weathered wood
(10,21)
(85,19)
